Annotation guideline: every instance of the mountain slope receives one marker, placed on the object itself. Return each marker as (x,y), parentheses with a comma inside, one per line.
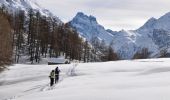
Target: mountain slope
(25,5)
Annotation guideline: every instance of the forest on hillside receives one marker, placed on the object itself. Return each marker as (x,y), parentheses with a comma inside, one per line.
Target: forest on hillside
(34,36)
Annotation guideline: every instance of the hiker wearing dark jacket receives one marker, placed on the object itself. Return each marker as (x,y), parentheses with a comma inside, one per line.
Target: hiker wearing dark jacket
(52,77)
(57,73)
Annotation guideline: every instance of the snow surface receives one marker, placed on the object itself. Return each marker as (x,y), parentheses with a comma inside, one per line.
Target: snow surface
(146,79)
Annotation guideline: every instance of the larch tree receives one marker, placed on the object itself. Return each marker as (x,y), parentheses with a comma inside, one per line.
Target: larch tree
(6,49)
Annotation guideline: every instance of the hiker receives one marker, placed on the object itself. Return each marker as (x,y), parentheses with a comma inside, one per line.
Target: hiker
(52,77)
(57,72)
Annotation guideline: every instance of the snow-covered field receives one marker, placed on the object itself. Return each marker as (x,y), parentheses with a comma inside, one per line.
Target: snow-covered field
(121,80)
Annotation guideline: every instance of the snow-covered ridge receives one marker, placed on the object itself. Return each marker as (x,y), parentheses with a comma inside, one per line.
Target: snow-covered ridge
(127,43)
(21,3)
(162,23)
(26,5)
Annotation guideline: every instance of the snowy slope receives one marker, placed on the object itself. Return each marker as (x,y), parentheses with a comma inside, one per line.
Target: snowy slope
(15,5)
(154,35)
(122,80)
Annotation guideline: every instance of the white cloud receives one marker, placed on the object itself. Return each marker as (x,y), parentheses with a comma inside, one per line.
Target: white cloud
(113,14)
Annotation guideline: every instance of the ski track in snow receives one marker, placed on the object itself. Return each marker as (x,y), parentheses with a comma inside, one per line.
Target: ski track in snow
(39,88)
(21,80)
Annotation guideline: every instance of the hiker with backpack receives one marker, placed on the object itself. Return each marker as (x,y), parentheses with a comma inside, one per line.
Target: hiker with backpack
(52,77)
(57,72)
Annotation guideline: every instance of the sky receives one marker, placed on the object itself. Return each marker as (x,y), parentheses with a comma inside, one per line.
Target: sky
(112,14)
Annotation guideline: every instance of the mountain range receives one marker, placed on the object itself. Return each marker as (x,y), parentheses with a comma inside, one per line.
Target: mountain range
(153,35)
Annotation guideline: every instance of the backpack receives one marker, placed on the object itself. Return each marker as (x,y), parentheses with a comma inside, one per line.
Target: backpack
(52,74)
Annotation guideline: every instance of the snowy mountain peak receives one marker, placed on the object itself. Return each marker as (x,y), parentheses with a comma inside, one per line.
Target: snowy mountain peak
(82,16)
(161,23)
(92,18)
(149,24)
(167,15)
(151,21)
(89,28)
